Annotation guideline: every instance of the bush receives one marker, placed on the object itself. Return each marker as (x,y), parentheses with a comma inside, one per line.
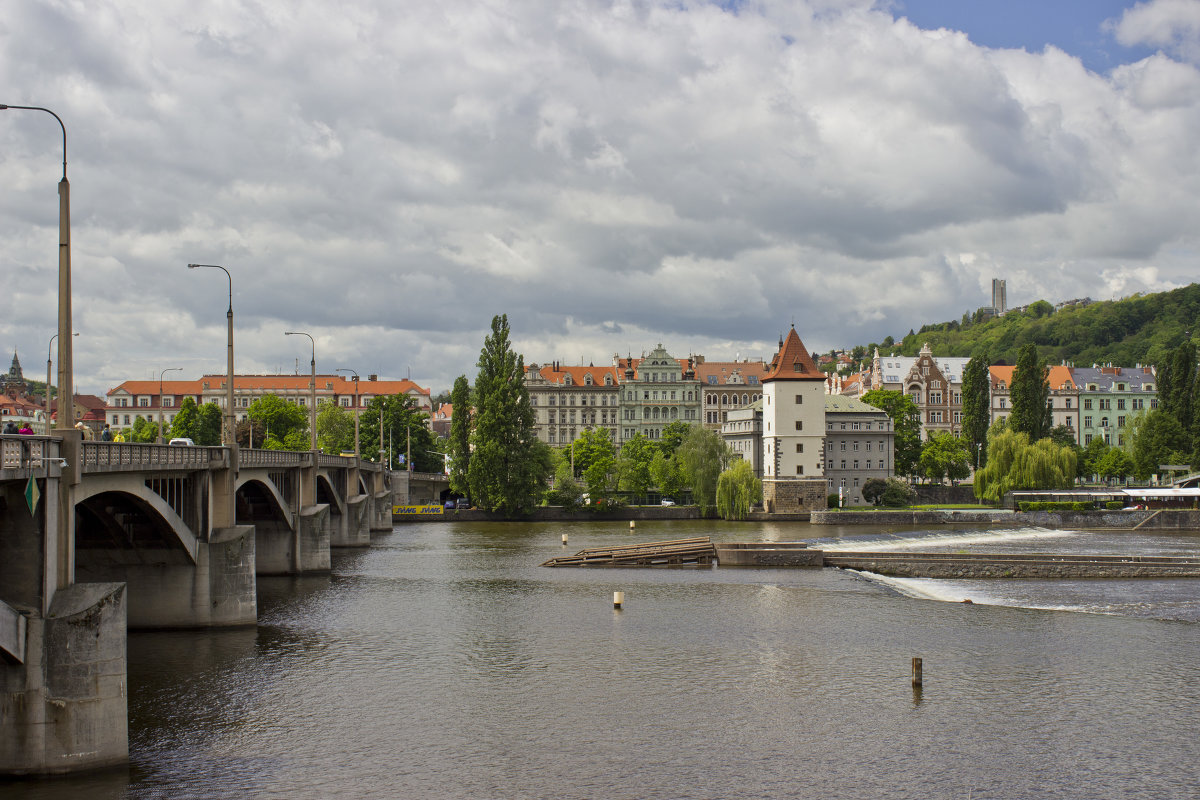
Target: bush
(898,494)
(1051,505)
(831,500)
(1114,505)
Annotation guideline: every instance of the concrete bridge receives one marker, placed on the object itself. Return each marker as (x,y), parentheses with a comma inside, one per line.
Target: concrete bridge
(99,536)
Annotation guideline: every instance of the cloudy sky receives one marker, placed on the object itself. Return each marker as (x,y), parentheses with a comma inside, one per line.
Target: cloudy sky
(388,176)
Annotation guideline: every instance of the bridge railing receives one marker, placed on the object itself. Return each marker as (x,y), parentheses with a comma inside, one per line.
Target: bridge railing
(21,452)
(134,455)
(271,458)
(325,460)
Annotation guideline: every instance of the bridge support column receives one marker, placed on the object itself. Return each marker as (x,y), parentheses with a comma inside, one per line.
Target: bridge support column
(355,528)
(380,512)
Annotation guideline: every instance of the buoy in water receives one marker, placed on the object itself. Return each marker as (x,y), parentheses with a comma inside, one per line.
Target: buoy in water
(618,599)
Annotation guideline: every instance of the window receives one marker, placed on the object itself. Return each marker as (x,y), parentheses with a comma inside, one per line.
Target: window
(842,446)
(1003,403)
(843,463)
(868,446)
(1087,439)
(1087,404)
(1121,422)
(935,398)
(868,463)
(1069,425)
(346,402)
(116,419)
(856,463)
(143,402)
(799,399)
(1087,423)
(799,469)
(799,425)
(1068,403)
(1120,404)
(1105,404)
(799,448)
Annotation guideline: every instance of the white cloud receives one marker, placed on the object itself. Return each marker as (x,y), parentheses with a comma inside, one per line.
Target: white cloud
(1172,25)
(611,175)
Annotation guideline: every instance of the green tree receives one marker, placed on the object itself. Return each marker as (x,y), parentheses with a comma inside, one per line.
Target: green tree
(508,469)
(1160,439)
(976,404)
(208,430)
(1115,464)
(1092,454)
(143,430)
(737,490)
(1030,393)
(592,445)
(1015,463)
(187,420)
(1176,378)
(667,475)
(460,437)
(703,457)
(906,426)
(335,428)
(405,427)
(567,492)
(673,436)
(898,494)
(873,489)
(637,456)
(945,456)
(285,424)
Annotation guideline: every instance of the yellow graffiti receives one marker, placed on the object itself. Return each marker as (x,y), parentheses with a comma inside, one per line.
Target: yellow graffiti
(398,510)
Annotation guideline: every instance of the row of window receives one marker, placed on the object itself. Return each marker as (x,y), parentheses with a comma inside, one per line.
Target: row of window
(869,462)
(854,446)
(712,399)
(866,426)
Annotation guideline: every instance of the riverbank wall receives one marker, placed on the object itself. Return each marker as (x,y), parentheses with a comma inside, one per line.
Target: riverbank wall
(1145,519)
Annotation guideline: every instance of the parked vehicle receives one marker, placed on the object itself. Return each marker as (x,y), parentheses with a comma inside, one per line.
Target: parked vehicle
(182,441)
(462,504)
(666,501)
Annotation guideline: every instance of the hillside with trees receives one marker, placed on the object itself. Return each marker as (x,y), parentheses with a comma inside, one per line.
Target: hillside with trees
(1142,329)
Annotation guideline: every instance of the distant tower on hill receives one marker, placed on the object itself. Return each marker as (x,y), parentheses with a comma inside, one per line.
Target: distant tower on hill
(999,298)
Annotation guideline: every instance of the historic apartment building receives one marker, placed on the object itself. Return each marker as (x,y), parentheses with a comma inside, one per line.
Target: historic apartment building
(934,384)
(1110,397)
(859,445)
(1063,401)
(742,431)
(656,390)
(150,399)
(726,386)
(568,400)
(793,430)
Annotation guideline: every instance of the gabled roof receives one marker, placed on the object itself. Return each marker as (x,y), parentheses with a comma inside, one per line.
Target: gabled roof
(340,383)
(1059,378)
(557,374)
(734,373)
(793,362)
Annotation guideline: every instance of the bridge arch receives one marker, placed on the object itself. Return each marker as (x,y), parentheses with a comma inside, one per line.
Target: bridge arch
(154,511)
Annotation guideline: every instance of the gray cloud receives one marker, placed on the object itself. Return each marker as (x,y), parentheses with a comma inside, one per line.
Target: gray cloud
(610,175)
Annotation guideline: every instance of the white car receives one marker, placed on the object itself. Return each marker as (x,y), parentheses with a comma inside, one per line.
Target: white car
(666,501)
(182,441)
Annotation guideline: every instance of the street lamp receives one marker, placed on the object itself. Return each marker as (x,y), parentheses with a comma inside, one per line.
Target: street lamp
(347,369)
(230,432)
(160,399)
(66,369)
(312,385)
(49,349)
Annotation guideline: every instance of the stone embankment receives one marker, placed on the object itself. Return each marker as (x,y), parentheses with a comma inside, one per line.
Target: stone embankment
(1146,519)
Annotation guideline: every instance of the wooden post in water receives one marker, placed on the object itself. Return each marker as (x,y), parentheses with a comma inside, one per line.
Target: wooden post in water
(618,599)
(632,524)
(564,538)
(916,672)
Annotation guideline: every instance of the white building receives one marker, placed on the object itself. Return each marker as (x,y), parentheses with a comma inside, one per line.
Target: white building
(793,430)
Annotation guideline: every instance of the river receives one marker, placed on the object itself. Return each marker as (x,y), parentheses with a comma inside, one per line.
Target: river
(444,662)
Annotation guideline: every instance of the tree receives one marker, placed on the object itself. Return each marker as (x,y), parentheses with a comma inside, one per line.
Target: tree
(667,475)
(898,494)
(1115,464)
(335,428)
(906,426)
(946,456)
(873,489)
(1030,393)
(186,421)
(1092,455)
(405,429)
(673,436)
(143,430)
(285,424)
(737,490)
(1015,463)
(208,429)
(1160,439)
(703,457)
(977,404)
(594,449)
(566,491)
(1176,378)
(460,437)
(637,456)
(508,469)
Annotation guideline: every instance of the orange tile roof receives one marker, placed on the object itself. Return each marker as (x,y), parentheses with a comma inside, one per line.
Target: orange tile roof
(724,369)
(1059,377)
(793,362)
(556,373)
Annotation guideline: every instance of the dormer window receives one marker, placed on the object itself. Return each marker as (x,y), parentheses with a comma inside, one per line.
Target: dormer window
(587,379)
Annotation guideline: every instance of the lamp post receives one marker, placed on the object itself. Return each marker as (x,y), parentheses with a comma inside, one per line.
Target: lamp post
(160,399)
(347,369)
(229,434)
(312,385)
(49,349)
(66,369)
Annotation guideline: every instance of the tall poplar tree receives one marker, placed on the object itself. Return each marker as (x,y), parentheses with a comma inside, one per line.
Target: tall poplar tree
(509,466)
(460,436)
(1030,393)
(976,405)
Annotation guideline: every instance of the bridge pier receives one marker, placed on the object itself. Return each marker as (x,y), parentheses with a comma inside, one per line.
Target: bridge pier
(63,701)
(380,509)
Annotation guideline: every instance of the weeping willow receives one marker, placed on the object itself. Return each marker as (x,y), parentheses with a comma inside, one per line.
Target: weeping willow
(1013,463)
(737,490)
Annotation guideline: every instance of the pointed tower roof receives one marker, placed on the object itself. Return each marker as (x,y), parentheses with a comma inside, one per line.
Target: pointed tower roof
(793,362)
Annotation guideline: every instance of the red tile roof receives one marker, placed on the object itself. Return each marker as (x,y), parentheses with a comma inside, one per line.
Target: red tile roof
(793,362)
(556,373)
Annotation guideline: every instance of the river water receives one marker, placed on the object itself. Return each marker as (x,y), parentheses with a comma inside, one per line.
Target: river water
(444,662)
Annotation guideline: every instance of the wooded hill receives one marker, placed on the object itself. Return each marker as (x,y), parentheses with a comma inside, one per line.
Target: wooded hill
(1141,329)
